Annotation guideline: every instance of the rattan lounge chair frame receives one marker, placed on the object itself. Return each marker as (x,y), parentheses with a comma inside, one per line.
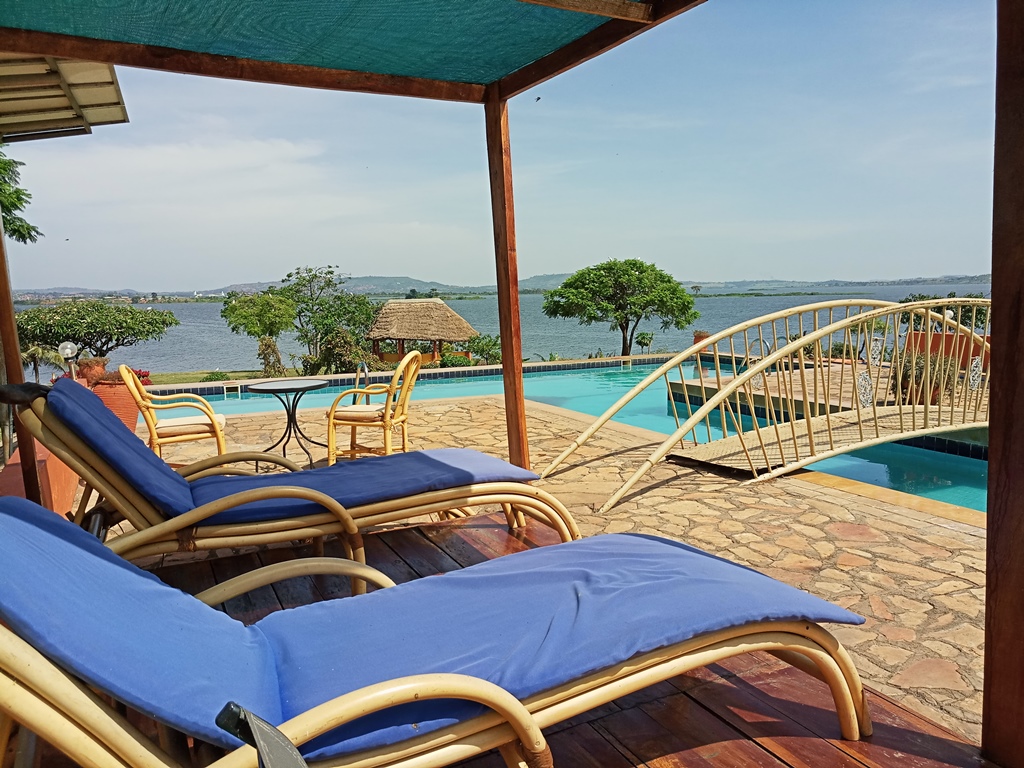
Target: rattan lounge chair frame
(149,404)
(156,534)
(394,412)
(63,711)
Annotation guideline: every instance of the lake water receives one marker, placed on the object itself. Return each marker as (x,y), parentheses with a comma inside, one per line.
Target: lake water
(203,342)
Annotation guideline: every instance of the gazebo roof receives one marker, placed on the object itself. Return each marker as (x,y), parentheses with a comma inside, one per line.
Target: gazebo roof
(422,319)
(446,50)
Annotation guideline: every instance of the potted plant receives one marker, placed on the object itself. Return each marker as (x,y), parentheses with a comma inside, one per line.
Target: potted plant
(921,378)
(699,336)
(114,393)
(92,369)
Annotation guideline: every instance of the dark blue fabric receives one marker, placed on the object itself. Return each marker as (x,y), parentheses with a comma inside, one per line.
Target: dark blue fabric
(123,630)
(360,482)
(527,622)
(86,415)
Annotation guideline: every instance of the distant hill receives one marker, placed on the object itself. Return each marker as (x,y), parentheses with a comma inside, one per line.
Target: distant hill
(397,286)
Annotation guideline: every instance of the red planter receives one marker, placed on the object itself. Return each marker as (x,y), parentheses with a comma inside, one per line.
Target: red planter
(116,397)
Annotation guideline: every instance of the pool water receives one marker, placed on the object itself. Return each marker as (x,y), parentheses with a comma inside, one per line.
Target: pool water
(930,474)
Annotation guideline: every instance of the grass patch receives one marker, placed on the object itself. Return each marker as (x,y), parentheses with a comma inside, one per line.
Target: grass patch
(190,377)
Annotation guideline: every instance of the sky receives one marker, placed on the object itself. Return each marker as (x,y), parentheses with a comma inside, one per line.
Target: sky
(746,139)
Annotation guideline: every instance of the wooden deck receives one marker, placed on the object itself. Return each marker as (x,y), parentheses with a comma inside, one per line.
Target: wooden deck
(750,711)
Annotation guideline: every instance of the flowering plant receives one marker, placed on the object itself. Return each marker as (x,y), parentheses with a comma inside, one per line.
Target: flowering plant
(143,376)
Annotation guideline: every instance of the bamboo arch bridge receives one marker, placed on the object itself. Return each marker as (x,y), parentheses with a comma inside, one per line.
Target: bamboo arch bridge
(784,390)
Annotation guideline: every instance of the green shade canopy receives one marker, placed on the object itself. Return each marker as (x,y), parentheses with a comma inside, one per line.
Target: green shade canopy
(446,49)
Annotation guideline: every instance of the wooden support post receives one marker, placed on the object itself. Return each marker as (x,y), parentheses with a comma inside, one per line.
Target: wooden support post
(15,373)
(1002,734)
(376,348)
(499,163)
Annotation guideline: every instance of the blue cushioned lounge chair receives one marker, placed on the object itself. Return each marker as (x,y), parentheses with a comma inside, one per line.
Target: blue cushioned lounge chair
(209,504)
(515,645)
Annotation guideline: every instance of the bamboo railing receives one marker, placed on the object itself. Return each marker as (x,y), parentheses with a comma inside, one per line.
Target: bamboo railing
(784,390)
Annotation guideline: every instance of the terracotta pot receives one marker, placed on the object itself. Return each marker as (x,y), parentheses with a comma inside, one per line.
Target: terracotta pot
(92,369)
(116,397)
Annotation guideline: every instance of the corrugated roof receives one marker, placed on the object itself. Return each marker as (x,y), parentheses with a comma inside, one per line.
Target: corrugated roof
(43,96)
(421,320)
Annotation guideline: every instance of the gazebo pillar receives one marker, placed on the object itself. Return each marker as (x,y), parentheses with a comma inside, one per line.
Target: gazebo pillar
(499,163)
(15,372)
(1002,734)
(401,346)
(376,348)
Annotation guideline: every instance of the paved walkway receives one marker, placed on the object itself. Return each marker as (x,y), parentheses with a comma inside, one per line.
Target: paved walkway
(916,577)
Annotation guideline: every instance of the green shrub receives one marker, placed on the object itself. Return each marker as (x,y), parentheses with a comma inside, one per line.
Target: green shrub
(215,376)
(455,361)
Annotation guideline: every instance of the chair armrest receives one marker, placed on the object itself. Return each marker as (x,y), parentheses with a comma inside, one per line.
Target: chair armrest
(372,389)
(199,514)
(505,708)
(190,470)
(178,396)
(204,407)
(305,566)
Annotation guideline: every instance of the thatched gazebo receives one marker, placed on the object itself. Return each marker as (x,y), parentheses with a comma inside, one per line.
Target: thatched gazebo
(403,320)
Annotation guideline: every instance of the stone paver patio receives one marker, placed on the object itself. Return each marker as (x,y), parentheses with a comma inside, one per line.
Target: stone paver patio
(918,578)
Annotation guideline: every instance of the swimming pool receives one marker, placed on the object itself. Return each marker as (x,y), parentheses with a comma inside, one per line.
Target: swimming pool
(930,474)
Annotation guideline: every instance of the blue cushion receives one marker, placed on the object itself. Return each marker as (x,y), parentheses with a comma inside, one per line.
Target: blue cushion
(123,630)
(86,415)
(527,622)
(360,482)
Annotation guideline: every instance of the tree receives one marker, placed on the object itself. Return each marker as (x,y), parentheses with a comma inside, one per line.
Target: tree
(95,326)
(322,307)
(694,289)
(264,316)
(962,314)
(36,355)
(644,339)
(487,348)
(622,293)
(13,200)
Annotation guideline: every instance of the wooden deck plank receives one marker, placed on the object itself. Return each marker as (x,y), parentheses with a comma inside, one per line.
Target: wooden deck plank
(189,577)
(253,606)
(695,737)
(787,740)
(900,737)
(409,545)
(451,540)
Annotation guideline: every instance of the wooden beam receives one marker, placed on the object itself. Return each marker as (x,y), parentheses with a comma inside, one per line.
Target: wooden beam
(612,9)
(212,65)
(16,373)
(499,163)
(1002,734)
(594,43)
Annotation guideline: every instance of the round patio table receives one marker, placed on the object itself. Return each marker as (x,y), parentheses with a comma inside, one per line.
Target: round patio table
(289,392)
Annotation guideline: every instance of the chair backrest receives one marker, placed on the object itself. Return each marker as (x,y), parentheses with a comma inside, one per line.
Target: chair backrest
(85,416)
(140,396)
(124,631)
(400,389)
